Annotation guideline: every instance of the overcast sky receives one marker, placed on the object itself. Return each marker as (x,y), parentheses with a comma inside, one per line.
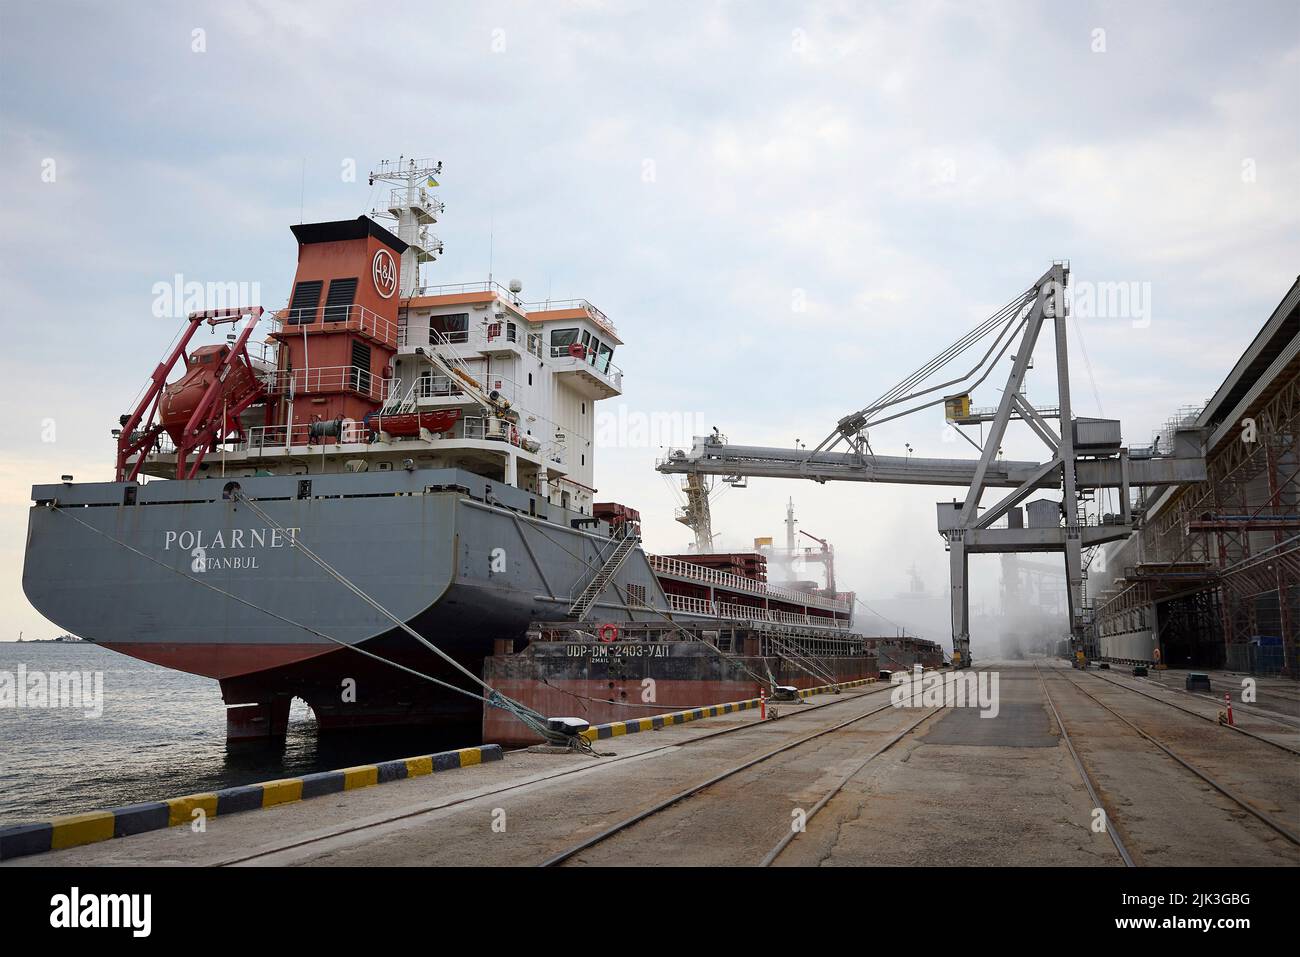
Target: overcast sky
(784,207)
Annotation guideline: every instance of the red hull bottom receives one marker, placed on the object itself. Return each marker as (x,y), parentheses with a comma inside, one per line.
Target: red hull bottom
(212,660)
(345,690)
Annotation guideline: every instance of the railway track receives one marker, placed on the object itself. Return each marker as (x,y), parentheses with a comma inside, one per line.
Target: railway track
(1086,775)
(1206,717)
(587,769)
(1239,800)
(636,819)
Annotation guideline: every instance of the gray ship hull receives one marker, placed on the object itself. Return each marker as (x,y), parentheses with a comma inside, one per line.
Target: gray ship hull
(181,574)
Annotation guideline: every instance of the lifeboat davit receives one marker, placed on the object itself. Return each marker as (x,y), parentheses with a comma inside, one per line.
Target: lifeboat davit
(182,397)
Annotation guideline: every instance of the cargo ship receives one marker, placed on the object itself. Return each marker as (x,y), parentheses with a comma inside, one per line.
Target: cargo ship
(379,500)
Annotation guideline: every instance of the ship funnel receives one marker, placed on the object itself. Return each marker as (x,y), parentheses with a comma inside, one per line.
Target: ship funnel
(340,331)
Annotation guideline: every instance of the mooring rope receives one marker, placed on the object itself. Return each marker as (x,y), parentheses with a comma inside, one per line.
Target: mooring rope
(532,719)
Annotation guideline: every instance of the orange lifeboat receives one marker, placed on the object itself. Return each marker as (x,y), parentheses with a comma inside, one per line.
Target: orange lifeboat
(182,397)
(409,424)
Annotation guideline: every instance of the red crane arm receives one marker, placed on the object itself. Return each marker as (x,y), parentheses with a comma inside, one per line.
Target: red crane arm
(126,447)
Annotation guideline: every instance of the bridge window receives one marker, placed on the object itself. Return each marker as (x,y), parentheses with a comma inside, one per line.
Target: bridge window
(561,339)
(453,327)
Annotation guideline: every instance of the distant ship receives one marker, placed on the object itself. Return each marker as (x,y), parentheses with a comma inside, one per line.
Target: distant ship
(405,470)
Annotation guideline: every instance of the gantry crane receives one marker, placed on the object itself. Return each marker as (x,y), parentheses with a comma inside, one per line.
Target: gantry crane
(1085,454)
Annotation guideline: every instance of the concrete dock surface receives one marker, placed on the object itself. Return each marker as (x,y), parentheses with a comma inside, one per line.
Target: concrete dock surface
(931,784)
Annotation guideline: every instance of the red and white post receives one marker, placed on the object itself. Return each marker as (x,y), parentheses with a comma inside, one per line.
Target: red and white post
(762,705)
(1228,698)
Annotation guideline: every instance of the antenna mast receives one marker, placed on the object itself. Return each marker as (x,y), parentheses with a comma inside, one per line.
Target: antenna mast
(412,208)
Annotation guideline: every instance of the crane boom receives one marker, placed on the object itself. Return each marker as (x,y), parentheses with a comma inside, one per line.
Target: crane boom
(1086,454)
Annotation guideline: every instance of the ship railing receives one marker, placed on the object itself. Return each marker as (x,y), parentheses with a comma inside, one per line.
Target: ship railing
(441,386)
(722,609)
(299,434)
(694,606)
(282,436)
(567,362)
(794,618)
(162,444)
(728,609)
(489,428)
(554,305)
(264,354)
(437,386)
(421,236)
(263,437)
(353,318)
(446,343)
(416,197)
(808,646)
(316,379)
(423,335)
(461,288)
(780,617)
(713,576)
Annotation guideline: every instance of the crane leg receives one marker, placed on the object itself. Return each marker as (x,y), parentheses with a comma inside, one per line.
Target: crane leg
(1074,589)
(959,568)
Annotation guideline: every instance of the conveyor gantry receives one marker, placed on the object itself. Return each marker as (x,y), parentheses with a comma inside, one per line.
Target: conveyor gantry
(1085,455)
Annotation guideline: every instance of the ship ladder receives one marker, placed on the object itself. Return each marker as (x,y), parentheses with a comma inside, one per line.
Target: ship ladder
(800,660)
(596,586)
(406,402)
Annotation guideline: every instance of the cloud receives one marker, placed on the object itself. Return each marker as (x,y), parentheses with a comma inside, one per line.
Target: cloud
(785,209)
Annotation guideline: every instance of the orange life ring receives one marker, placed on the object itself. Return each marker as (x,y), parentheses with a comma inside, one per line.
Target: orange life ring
(608,633)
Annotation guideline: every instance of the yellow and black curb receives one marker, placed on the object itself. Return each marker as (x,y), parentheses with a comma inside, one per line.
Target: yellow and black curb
(635,725)
(71,830)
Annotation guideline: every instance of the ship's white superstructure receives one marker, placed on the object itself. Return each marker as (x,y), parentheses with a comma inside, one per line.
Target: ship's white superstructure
(461,376)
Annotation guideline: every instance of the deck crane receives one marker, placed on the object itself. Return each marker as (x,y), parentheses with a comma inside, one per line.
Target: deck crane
(202,407)
(826,555)
(1084,454)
